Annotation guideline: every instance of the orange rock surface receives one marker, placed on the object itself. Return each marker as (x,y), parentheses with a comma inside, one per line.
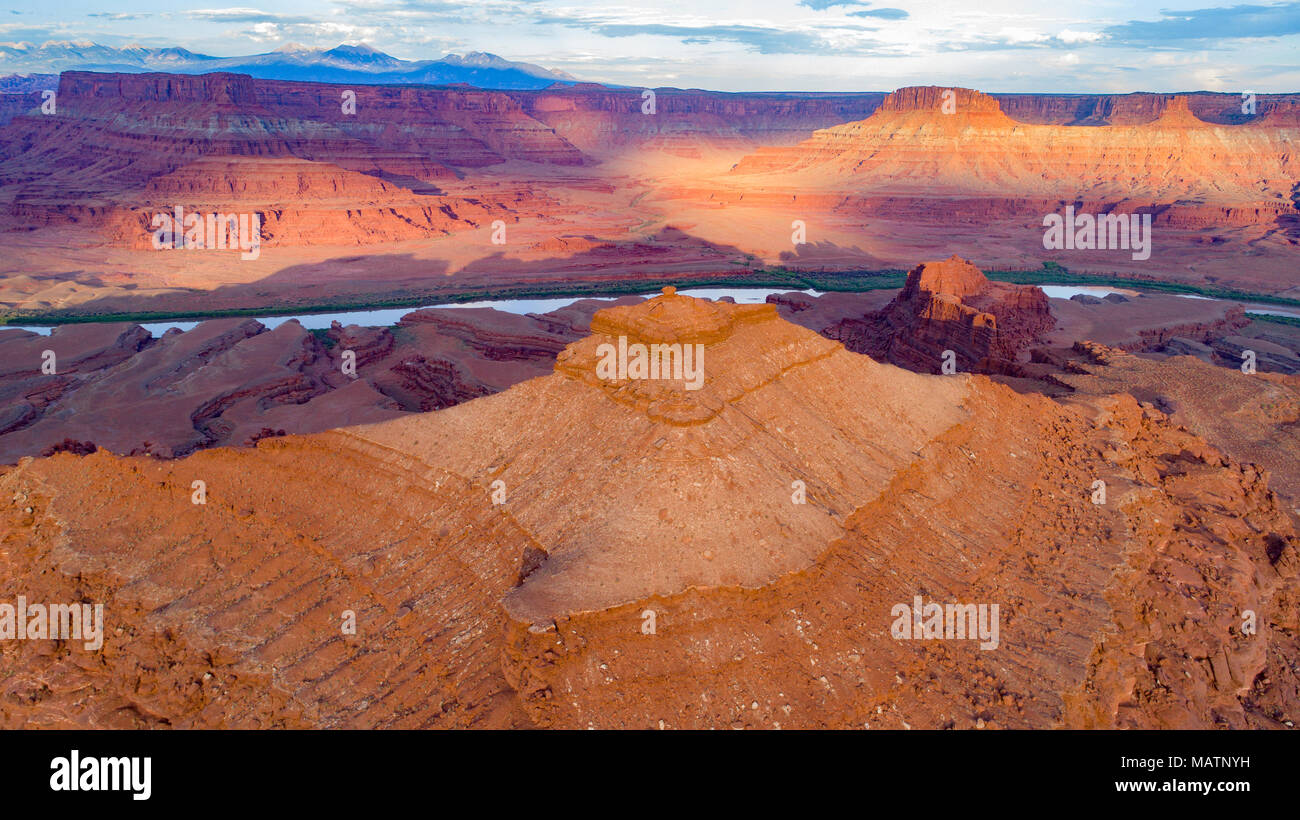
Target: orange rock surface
(913,146)
(579,551)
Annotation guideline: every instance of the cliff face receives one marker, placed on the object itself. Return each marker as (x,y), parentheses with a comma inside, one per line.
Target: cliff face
(1138,108)
(912,146)
(299,202)
(464,127)
(153,123)
(601,120)
(930,98)
(125,147)
(581,551)
(459,126)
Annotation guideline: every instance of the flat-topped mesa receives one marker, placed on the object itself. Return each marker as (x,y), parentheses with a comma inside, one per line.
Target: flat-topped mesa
(930,106)
(680,360)
(953,276)
(935,98)
(86,91)
(949,151)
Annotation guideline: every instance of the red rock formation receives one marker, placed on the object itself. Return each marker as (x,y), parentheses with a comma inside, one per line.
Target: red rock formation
(595,190)
(581,552)
(955,164)
(227,381)
(26,391)
(465,127)
(119,141)
(1253,420)
(1138,108)
(950,305)
(299,202)
(688,123)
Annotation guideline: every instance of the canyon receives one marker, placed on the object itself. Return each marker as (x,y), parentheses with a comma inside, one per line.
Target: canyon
(405,191)
(467,517)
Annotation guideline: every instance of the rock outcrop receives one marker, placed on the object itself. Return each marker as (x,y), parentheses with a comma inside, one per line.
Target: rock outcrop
(950,306)
(1139,108)
(227,381)
(581,551)
(690,124)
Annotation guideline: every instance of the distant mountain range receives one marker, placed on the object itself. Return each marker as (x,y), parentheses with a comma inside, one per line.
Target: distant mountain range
(342,64)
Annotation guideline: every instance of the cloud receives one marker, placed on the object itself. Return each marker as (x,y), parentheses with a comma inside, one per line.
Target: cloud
(843,38)
(762,39)
(244,15)
(883,14)
(822,5)
(1070,37)
(328,33)
(1222,23)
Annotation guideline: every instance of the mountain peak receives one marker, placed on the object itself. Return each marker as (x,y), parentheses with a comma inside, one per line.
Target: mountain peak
(358,48)
(346,62)
(477,58)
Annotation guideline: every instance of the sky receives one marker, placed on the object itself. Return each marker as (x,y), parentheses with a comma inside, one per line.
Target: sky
(748,45)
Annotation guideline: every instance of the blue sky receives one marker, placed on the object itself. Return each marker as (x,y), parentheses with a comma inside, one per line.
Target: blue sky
(748,45)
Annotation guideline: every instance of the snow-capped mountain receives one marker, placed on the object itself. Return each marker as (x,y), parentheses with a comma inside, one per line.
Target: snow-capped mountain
(342,64)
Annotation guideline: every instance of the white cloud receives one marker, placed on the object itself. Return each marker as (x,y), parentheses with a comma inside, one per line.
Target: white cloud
(1071,36)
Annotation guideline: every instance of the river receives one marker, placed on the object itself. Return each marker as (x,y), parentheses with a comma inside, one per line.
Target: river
(383,317)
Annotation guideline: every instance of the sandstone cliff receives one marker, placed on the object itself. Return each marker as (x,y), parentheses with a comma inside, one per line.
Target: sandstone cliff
(921,142)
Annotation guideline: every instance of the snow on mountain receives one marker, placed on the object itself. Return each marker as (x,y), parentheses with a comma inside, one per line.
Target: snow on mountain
(345,63)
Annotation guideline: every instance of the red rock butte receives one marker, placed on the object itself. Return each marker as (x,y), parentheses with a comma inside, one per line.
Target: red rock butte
(950,307)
